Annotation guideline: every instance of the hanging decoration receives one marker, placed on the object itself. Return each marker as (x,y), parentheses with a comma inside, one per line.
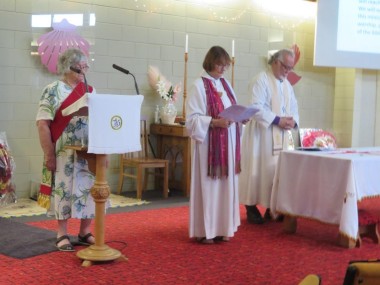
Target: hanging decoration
(62,37)
(293,77)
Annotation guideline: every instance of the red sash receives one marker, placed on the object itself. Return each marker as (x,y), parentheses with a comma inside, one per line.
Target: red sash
(60,121)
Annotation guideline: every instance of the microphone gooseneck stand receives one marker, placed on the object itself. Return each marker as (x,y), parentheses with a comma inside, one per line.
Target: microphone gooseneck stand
(123,70)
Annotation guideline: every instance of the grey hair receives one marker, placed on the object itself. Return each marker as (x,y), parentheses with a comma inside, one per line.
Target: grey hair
(70,57)
(280,55)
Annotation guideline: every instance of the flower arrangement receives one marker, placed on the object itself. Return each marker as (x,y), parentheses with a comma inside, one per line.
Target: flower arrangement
(163,87)
(317,138)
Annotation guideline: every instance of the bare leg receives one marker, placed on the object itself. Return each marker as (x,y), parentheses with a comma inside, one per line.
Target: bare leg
(85,228)
(62,230)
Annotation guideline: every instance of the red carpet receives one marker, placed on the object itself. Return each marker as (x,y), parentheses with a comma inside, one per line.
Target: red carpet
(160,252)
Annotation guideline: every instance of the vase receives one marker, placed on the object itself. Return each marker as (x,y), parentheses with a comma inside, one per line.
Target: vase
(168,113)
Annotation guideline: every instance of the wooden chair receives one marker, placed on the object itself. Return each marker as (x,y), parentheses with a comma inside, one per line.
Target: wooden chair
(366,272)
(311,279)
(136,165)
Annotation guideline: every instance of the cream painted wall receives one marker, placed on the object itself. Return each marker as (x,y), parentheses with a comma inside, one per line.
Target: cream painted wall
(132,38)
(363,128)
(356,106)
(344,105)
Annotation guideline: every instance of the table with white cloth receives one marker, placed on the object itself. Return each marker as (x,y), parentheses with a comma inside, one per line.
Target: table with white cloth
(326,186)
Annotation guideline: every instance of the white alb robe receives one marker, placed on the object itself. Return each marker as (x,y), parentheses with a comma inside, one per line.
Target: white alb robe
(214,203)
(258,158)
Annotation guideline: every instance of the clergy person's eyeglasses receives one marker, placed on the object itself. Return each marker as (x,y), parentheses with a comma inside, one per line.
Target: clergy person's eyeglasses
(223,66)
(286,67)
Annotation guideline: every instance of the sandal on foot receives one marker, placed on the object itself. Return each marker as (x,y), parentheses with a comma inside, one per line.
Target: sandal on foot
(64,247)
(205,240)
(221,238)
(85,239)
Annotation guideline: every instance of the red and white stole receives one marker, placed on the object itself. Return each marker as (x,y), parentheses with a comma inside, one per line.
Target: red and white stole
(218,137)
(60,121)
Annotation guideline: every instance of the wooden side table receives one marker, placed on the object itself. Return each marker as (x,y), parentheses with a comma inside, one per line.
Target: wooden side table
(174,144)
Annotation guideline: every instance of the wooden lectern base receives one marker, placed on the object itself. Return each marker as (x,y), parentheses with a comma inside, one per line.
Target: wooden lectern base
(102,253)
(99,252)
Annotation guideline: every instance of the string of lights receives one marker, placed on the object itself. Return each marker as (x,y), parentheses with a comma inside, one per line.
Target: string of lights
(286,14)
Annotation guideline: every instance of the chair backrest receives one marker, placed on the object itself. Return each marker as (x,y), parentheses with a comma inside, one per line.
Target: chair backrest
(143,153)
(366,272)
(311,279)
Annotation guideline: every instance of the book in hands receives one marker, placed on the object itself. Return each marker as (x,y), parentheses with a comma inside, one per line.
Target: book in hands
(238,113)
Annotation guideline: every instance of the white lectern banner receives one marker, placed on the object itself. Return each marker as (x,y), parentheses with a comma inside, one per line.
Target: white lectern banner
(114,123)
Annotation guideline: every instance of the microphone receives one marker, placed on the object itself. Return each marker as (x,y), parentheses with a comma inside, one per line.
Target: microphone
(79,71)
(121,69)
(127,72)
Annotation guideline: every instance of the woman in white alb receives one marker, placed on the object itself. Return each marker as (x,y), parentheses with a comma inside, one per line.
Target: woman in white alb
(214,201)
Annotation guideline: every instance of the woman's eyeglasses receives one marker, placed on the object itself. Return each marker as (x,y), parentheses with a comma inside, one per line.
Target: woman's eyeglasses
(222,66)
(84,67)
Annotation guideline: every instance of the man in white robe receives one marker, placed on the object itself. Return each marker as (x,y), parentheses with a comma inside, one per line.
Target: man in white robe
(267,133)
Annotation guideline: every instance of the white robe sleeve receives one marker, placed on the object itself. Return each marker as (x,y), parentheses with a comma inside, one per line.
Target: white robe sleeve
(197,120)
(261,99)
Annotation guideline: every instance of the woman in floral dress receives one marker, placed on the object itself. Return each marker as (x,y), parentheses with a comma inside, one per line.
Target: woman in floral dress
(66,178)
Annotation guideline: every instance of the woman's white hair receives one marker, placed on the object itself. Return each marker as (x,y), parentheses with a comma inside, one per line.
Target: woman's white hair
(70,57)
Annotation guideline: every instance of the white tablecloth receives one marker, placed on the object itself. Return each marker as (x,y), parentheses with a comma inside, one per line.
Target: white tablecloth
(326,185)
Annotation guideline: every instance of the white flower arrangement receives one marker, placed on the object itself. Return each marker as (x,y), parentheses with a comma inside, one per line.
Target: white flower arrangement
(163,87)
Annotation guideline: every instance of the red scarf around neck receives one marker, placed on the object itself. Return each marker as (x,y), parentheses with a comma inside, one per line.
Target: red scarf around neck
(218,137)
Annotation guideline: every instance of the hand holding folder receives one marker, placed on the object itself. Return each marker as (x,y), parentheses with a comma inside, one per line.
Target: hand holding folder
(238,113)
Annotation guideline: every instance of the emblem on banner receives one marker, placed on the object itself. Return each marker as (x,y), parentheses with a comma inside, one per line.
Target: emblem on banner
(116,122)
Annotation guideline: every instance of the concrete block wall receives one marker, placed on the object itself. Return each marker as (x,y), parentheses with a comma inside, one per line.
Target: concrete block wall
(128,35)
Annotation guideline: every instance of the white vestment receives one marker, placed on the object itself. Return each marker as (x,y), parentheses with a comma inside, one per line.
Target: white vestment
(258,156)
(214,203)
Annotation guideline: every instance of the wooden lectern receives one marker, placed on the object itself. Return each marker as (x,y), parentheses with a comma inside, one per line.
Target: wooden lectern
(100,193)
(114,130)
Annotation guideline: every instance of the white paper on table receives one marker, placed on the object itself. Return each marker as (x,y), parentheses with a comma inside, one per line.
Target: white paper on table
(238,113)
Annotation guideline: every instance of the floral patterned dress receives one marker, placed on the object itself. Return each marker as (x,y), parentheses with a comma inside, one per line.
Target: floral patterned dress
(72,179)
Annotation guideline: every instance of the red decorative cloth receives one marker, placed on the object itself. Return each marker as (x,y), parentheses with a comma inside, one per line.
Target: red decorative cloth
(317,138)
(60,121)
